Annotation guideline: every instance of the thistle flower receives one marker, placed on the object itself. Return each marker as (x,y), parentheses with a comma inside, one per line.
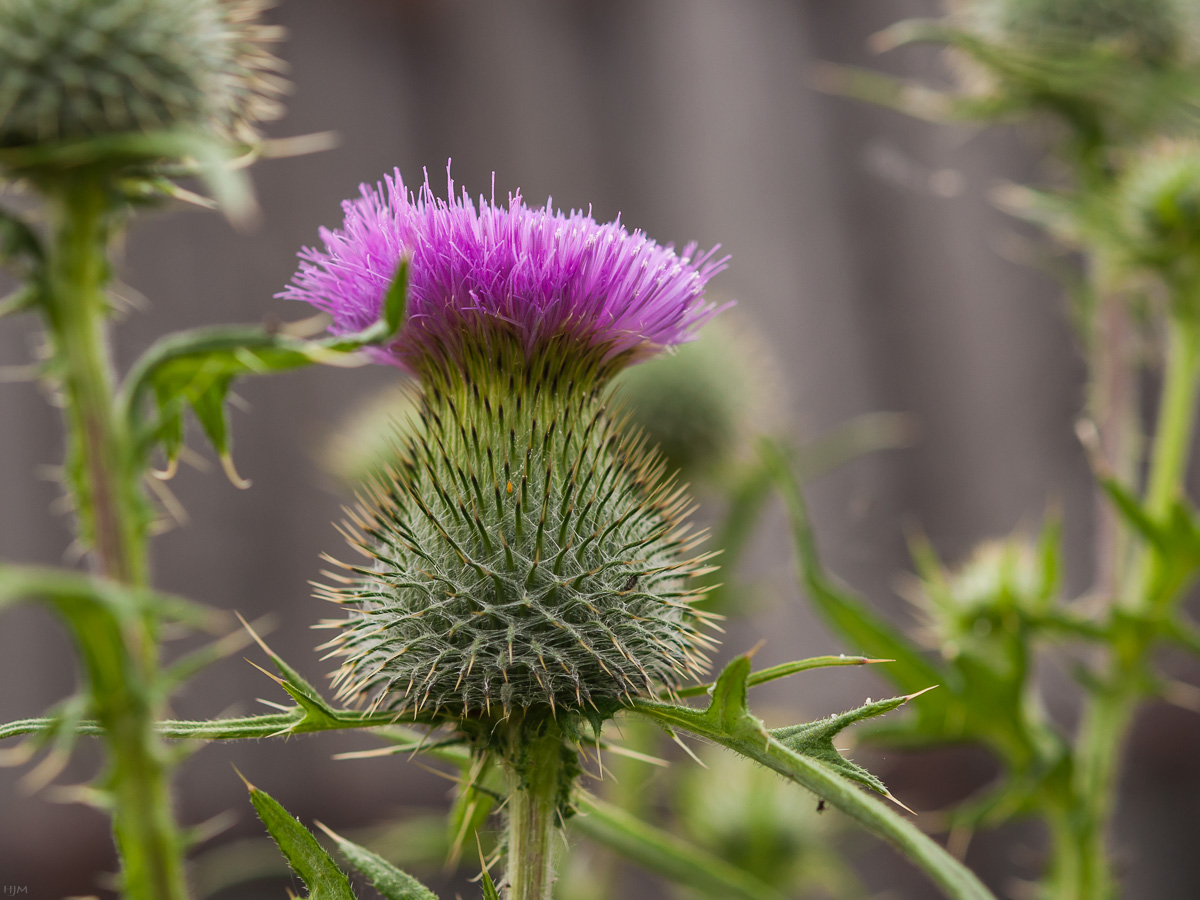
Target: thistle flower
(528,555)
(537,276)
(77,69)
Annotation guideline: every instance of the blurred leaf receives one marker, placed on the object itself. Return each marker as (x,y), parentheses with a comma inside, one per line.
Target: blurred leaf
(472,805)
(911,670)
(22,299)
(308,859)
(666,854)
(390,881)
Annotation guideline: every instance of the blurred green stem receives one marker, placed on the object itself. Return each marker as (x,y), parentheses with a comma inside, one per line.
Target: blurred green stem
(102,474)
(1111,707)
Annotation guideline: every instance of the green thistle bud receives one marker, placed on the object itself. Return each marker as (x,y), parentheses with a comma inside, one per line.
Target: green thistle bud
(976,612)
(77,69)
(1160,201)
(703,404)
(1154,31)
(527,554)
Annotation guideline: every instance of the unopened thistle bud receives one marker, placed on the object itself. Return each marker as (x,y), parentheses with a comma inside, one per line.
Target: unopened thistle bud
(526,554)
(703,404)
(1160,200)
(78,69)
(1158,32)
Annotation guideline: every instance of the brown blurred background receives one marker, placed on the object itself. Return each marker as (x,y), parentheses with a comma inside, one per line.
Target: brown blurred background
(864,249)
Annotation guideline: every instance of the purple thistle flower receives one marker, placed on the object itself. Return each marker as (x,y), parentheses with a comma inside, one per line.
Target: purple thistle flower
(535,274)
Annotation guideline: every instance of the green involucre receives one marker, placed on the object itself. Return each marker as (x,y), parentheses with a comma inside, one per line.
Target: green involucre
(72,69)
(526,552)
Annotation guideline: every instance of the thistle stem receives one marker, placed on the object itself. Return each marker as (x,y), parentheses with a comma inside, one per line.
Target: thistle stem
(1112,705)
(102,473)
(537,775)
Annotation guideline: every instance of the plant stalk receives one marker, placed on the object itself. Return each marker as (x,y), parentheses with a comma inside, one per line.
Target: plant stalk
(537,782)
(103,474)
(1112,706)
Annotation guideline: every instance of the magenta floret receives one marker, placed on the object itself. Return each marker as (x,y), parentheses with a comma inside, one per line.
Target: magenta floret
(537,274)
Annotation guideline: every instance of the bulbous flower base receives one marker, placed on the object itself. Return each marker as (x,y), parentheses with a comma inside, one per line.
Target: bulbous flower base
(526,552)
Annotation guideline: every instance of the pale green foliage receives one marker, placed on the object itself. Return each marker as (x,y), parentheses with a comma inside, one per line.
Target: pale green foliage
(527,553)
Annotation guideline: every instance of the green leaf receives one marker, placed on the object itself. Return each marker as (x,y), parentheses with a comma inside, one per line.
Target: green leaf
(23,298)
(783,670)
(489,886)
(729,723)
(19,243)
(308,859)
(846,614)
(395,301)
(815,739)
(666,854)
(390,881)
(197,368)
(473,804)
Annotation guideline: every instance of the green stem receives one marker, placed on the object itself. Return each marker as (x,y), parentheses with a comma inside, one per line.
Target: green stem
(537,786)
(103,477)
(1111,707)
(98,460)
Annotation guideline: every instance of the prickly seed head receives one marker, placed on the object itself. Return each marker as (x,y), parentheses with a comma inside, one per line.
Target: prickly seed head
(84,68)
(525,553)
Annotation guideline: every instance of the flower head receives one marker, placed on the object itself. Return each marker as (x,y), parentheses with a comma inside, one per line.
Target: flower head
(538,276)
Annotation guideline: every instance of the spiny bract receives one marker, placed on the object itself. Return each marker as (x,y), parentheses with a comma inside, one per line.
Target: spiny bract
(526,552)
(82,68)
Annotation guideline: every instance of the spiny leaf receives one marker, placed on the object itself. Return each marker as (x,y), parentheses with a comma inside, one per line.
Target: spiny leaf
(847,614)
(318,714)
(390,881)
(729,710)
(196,368)
(308,859)
(815,739)
(489,886)
(728,707)
(783,670)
